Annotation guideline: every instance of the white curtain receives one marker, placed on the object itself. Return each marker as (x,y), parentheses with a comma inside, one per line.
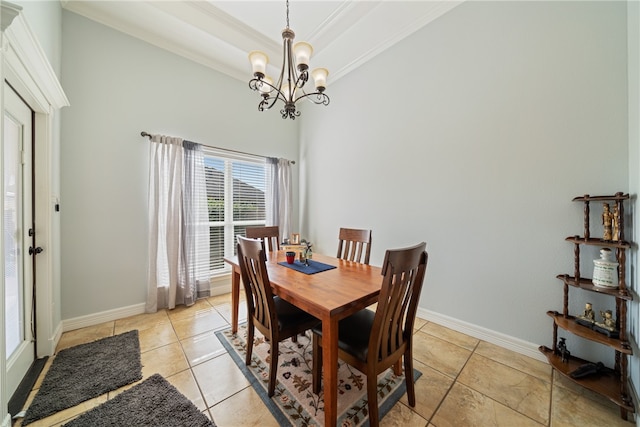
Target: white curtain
(175,213)
(279,195)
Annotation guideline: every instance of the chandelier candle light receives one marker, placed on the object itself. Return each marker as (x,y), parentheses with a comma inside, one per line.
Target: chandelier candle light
(294,74)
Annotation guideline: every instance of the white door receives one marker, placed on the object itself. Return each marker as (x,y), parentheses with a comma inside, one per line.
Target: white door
(18,225)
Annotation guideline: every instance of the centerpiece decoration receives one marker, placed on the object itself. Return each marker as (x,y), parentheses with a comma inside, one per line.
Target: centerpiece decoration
(306,253)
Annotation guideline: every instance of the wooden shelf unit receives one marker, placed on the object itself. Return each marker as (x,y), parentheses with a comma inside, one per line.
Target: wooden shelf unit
(610,383)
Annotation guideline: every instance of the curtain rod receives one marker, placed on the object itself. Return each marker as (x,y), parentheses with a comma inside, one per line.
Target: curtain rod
(148,135)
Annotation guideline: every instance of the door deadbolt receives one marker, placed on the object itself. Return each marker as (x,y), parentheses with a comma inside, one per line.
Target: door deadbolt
(36,251)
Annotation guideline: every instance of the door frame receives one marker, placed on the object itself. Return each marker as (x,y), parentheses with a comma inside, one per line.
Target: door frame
(25,66)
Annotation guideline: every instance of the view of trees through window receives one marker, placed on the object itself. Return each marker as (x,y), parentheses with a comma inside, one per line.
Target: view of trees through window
(235,199)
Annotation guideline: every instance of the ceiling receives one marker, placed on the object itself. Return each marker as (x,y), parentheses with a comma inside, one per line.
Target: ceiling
(220,34)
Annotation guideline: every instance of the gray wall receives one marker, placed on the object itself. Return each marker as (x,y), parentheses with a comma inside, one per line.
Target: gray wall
(119,86)
(474,134)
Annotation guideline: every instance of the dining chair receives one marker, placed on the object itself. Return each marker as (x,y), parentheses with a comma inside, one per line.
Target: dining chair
(353,244)
(270,235)
(274,317)
(375,341)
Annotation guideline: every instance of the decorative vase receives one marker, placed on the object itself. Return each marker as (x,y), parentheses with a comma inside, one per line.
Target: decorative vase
(605,270)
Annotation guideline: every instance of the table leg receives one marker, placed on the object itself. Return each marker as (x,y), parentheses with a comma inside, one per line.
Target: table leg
(330,370)
(235,298)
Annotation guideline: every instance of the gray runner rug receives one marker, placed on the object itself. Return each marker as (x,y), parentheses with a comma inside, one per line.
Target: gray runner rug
(86,371)
(153,403)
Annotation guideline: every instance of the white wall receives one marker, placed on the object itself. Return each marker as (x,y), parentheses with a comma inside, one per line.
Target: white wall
(119,86)
(474,134)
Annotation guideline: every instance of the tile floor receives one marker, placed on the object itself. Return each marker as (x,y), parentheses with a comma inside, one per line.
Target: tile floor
(465,381)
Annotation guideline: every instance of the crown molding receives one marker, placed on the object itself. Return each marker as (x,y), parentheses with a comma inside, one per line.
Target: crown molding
(26,62)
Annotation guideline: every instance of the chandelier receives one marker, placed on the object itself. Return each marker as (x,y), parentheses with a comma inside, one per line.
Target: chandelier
(294,75)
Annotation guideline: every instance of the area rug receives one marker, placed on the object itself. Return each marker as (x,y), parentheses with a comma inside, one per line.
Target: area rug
(154,403)
(294,402)
(86,371)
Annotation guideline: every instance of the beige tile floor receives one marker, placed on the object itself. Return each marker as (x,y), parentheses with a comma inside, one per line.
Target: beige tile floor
(465,381)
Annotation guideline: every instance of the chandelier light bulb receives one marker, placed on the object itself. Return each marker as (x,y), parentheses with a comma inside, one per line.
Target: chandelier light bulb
(319,76)
(259,61)
(266,88)
(302,52)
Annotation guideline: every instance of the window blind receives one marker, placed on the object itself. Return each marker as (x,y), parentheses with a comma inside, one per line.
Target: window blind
(236,188)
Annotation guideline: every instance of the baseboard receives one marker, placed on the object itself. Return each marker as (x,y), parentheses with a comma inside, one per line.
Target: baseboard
(101,317)
(505,341)
(49,346)
(219,286)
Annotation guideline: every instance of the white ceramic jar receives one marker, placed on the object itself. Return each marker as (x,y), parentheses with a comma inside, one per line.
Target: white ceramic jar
(605,270)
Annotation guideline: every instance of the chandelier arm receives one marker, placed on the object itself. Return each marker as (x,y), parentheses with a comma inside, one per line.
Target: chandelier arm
(256,84)
(321,98)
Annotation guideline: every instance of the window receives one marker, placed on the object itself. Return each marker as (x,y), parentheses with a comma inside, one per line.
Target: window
(236,187)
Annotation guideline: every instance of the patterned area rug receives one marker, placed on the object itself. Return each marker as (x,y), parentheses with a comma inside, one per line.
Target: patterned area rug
(294,402)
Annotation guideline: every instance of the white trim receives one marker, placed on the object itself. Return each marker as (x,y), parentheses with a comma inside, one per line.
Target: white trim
(7,421)
(31,59)
(220,285)
(102,317)
(505,341)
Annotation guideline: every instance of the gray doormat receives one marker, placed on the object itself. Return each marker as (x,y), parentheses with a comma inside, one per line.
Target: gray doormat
(86,371)
(154,403)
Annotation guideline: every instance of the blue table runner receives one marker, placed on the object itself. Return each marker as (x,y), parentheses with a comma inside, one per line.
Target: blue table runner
(312,268)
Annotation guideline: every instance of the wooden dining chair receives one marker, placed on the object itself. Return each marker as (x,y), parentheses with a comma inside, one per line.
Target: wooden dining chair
(274,317)
(354,244)
(375,341)
(270,235)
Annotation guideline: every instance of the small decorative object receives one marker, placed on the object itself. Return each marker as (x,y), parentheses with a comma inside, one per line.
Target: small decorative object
(608,324)
(588,316)
(291,257)
(295,239)
(586,370)
(561,349)
(607,220)
(285,241)
(616,223)
(605,270)
(306,253)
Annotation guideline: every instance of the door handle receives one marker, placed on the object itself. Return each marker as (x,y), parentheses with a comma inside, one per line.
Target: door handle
(35,251)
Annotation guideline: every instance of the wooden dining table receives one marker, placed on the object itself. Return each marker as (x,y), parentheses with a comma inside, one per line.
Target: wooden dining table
(329,295)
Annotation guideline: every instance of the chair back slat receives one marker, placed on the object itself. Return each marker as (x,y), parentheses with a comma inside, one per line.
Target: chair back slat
(404,271)
(353,244)
(252,260)
(270,235)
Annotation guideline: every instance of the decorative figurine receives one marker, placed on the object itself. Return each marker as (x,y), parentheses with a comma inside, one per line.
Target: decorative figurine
(608,324)
(561,349)
(616,223)
(607,219)
(588,316)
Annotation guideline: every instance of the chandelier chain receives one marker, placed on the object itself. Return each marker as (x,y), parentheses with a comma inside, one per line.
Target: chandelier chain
(287,13)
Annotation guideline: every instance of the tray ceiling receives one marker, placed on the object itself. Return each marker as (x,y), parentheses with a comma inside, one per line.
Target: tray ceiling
(220,34)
